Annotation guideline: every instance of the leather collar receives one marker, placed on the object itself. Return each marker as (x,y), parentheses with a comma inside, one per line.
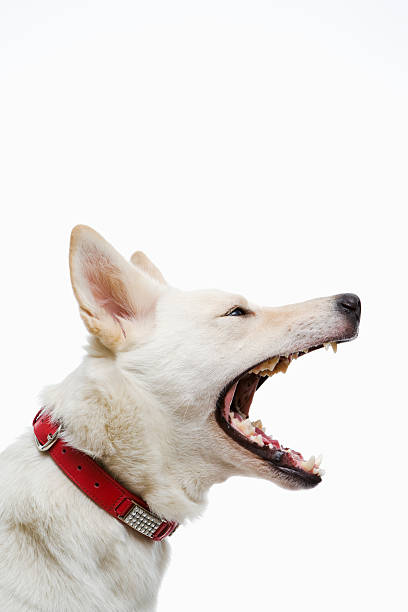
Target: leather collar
(97,484)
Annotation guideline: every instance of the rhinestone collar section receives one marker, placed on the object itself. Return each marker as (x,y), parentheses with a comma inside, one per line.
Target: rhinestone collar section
(141,520)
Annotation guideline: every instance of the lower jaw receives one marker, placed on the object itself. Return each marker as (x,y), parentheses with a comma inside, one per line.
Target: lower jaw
(276,461)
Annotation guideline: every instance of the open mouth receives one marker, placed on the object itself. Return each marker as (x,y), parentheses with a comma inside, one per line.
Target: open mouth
(232,414)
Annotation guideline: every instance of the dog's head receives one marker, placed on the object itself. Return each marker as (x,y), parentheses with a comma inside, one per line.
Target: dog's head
(202,355)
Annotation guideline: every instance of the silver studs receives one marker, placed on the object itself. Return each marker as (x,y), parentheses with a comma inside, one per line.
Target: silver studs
(141,520)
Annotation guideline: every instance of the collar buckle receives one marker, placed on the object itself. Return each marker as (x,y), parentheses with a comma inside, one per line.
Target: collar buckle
(51,438)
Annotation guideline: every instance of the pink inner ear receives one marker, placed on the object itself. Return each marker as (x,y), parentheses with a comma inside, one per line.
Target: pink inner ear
(107,286)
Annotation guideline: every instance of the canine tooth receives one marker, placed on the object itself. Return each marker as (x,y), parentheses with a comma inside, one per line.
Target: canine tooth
(334,346)
(318,460)
(326,345)
(258,424)
(308,465)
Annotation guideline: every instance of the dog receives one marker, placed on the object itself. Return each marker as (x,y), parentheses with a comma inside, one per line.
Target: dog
(160,403)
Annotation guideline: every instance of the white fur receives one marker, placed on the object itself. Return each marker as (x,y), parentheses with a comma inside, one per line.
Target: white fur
(142,402)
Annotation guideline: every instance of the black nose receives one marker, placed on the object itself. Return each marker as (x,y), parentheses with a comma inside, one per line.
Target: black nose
(349,304)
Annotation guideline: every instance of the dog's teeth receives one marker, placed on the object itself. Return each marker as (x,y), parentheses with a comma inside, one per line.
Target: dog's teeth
(326,345)
(282,366)
(258,424)
(272,363)
(246,427)
(321,472)
(334,346)
(318,460)
(258,439)
(266,367)
(308,465)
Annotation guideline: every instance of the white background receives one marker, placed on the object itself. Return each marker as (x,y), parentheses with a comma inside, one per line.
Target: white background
(258,147)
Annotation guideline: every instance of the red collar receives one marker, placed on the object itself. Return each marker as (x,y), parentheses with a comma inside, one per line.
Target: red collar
(97,484)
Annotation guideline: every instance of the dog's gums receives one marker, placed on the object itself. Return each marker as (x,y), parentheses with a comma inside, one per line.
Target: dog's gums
(233,416)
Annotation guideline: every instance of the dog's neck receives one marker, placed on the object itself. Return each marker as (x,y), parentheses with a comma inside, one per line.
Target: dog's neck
(106,414)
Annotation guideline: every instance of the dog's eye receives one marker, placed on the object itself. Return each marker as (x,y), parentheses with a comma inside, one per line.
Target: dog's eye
(236,312)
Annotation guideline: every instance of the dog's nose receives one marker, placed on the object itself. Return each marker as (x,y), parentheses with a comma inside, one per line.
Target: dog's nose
(349,304)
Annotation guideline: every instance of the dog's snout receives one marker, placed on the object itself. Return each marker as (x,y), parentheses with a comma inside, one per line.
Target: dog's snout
(349,304)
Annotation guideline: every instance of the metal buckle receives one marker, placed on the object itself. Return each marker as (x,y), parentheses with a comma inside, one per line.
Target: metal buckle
(51,438)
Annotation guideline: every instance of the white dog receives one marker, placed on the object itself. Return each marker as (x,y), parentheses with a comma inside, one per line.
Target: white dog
(161,403)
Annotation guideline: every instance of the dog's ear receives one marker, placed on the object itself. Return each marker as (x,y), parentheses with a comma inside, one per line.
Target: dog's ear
(140,260)
(116,299)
